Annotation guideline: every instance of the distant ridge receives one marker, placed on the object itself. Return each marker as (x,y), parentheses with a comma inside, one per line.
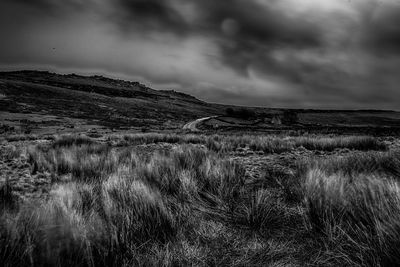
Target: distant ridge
(52,78)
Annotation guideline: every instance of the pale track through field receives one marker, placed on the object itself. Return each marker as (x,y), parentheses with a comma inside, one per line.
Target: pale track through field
(192,126)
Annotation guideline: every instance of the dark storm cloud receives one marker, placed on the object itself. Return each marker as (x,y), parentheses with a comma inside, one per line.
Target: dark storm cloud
(245,31)
(383,33)
(248,21)
(309,51)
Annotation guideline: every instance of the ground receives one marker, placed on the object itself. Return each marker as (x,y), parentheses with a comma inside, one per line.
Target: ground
(120,175)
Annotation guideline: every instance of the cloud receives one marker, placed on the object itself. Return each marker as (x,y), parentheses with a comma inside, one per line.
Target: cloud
(284,52)
(383,33)
(245,31)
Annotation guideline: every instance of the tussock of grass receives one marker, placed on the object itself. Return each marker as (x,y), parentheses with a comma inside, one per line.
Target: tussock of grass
(138,212)
(357,213)
(193,173)
(88,162)
(263,212)
(85,226)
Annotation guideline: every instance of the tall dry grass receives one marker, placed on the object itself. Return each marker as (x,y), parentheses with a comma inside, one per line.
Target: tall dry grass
(110,206)
(118,208)
(356,211)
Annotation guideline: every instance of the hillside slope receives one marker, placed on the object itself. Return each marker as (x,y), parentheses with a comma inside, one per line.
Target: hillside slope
(97,100)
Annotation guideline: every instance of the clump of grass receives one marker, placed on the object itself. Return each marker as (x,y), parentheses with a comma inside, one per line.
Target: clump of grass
(138,213)
(87,162)
(189,173)
(82,226)
(262,211)
(357,215)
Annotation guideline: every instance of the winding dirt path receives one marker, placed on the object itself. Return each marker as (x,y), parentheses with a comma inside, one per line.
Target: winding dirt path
(192,126)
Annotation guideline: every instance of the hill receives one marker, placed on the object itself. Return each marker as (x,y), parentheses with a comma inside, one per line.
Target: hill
(44,102)
(53,99)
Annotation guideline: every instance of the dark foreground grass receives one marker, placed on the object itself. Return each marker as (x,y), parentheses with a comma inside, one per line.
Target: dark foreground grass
(110,206)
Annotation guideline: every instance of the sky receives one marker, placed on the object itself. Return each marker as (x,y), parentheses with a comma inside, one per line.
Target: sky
(330,54)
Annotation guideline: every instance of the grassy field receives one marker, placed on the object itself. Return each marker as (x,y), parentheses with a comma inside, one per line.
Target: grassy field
(179,200)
